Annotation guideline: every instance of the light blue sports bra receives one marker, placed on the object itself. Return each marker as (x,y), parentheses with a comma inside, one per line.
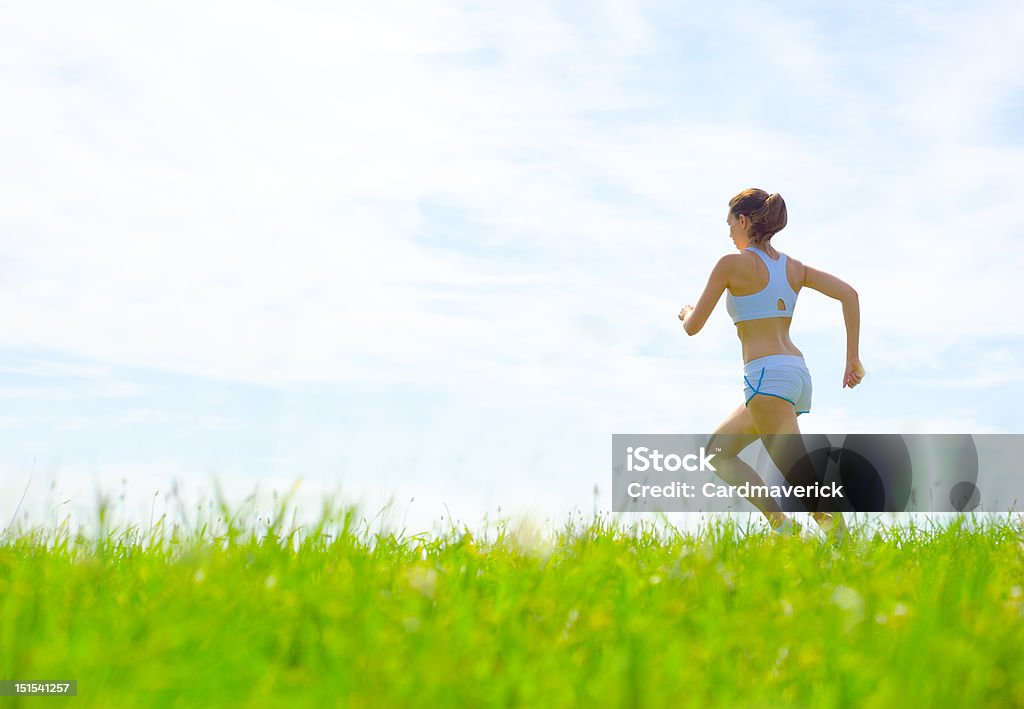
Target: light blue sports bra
(764,303)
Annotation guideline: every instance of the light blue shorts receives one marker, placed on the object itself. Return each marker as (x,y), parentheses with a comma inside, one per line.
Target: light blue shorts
(784,376)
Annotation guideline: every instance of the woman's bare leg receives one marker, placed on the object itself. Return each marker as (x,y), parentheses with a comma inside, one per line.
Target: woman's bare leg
(777,415)
(732,436)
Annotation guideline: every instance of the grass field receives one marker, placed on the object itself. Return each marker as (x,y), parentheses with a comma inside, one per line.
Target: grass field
(226,614)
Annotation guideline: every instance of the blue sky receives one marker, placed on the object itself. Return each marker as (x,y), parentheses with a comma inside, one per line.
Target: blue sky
(436,253)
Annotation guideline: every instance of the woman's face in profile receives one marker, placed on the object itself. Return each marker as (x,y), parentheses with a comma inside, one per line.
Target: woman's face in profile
(737,231)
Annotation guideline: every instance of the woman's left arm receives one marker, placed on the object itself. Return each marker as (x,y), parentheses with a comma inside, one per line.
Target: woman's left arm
(694,317)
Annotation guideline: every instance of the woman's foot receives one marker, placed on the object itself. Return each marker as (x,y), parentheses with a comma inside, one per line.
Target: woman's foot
(832,524)
(783,525)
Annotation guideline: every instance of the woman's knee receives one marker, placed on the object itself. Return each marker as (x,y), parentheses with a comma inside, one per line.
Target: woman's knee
(729,445)
(734,434)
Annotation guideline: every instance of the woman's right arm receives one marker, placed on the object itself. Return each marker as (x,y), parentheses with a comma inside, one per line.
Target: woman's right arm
(695,316)
(843,292)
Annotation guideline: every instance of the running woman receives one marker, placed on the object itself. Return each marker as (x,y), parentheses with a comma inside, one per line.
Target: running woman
(762,286)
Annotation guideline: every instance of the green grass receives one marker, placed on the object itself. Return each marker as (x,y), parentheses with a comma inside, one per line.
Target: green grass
(232,614)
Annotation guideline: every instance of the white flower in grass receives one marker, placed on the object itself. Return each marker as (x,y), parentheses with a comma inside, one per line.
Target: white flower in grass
(529,539)
(850,601)
(423,579)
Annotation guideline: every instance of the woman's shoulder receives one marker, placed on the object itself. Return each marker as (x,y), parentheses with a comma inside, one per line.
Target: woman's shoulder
(733,261)
(795,272)
(790,258)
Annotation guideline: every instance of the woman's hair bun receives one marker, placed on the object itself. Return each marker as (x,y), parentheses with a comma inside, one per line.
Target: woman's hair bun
(767,212)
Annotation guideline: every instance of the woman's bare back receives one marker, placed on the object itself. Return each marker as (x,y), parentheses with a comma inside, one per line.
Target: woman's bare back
(748,275)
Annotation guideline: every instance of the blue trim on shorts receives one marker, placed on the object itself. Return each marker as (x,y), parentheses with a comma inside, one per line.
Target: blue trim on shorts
(760,380)
(755,389)
(777,396)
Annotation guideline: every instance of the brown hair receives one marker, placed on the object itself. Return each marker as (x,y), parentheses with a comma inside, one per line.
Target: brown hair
(766,212)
